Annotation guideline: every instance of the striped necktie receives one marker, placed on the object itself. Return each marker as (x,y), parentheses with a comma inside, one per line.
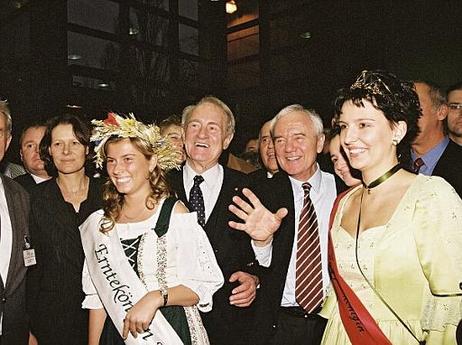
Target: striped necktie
(308,269)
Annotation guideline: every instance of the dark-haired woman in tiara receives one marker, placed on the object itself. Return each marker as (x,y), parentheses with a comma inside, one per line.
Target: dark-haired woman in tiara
(395,251)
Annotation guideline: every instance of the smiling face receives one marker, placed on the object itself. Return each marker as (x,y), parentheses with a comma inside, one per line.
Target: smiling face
(5,136)
(341,166)
(67,152)
(297,145)
(29,151)
(266,149)
(174,134)
(128,168)
(206,136)
(367,136)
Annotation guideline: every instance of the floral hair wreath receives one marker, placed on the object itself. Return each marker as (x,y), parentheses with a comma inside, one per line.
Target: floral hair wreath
(168,156)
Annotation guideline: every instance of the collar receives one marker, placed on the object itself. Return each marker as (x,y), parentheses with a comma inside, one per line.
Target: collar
(431,157)
(314,181)
(210,175)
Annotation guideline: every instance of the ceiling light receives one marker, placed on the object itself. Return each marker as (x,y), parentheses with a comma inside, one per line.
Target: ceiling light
(133,31)
(103,85)
(74,57)
(305,35)
(74,106)
(231,7)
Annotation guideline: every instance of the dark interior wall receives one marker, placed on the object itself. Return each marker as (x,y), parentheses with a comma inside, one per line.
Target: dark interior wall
(416,39)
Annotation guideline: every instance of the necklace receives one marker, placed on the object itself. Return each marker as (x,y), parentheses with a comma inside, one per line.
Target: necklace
(382,178)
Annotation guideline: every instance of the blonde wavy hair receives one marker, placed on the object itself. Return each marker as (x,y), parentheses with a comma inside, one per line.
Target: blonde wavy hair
(113,200)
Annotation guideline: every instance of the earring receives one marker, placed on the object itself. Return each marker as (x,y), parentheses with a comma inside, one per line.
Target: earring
(395,142)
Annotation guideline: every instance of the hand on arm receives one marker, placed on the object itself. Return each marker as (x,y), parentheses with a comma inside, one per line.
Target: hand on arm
(259,223)
(139,317)
(245,293)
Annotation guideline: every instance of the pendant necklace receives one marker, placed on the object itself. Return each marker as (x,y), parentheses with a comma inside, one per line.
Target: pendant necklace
(382,178)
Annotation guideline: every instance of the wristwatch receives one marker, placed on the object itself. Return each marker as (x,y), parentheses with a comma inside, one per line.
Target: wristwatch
(164,293)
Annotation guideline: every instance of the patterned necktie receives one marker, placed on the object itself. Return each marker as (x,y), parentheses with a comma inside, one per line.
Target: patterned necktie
(417,164)
(308,269)
(196,200)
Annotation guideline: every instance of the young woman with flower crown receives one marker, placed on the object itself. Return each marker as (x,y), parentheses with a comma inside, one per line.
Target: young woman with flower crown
(149,267)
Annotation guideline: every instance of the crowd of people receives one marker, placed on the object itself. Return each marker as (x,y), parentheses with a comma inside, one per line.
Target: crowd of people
(121,232)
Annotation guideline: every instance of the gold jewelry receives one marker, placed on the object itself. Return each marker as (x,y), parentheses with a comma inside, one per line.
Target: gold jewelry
(395,142)
(168,156)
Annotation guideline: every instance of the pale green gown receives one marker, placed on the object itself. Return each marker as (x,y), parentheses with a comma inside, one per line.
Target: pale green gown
(417,253)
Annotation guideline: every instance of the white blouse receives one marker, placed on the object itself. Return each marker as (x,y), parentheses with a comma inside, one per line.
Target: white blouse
(190,258)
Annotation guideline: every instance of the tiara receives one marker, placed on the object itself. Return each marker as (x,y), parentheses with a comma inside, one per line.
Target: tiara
(370,82)
(168,156)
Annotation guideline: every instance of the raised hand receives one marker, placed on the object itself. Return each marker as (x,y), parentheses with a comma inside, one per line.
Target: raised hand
(259,223)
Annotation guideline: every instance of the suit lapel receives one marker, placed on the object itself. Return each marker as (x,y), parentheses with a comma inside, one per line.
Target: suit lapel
(16,269)
(284,237)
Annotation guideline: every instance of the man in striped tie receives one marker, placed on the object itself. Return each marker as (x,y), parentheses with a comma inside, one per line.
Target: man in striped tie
(288,223)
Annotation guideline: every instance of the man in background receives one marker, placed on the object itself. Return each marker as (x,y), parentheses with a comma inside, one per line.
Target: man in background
(30,156)
(454,95)
(433,153)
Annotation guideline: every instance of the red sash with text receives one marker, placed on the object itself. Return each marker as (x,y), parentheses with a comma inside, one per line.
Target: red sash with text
(359,324)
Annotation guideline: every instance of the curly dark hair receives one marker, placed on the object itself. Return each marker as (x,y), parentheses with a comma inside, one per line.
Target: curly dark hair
(395,98)
(113,200)
(82,132)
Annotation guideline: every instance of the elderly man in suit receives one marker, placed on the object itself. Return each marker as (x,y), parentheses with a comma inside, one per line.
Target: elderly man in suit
(289,226)
(433,152)
(14,211)
(207,187)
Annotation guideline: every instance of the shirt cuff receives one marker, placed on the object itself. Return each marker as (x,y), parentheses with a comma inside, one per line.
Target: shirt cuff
(263,254)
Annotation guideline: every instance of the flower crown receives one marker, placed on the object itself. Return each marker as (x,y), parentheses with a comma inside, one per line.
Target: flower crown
(168,156)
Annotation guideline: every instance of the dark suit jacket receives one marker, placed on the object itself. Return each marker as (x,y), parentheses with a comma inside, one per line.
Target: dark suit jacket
(55,285)
(13,291)
(274,194)
(27,181)
(449,166)
(225,324)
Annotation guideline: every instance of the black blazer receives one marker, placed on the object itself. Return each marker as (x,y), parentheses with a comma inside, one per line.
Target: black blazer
(449,166)
(225,324)
(13,292)
(27,181)
(274,194)
(55,285)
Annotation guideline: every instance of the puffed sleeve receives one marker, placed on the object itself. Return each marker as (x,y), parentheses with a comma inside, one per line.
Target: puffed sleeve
(438,237)
(197,267)
(91,300)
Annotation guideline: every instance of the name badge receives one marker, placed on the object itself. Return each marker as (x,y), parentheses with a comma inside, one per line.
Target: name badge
(29,257)
(28,253)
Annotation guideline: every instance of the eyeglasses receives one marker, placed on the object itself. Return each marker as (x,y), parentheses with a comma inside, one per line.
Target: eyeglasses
(455,106)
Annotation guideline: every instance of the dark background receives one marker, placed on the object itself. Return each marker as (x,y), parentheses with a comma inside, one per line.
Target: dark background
(153,57)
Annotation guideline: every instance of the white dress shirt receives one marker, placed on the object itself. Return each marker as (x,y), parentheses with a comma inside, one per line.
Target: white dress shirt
(39,179)
(210,187)
(322,194)
(6,240)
